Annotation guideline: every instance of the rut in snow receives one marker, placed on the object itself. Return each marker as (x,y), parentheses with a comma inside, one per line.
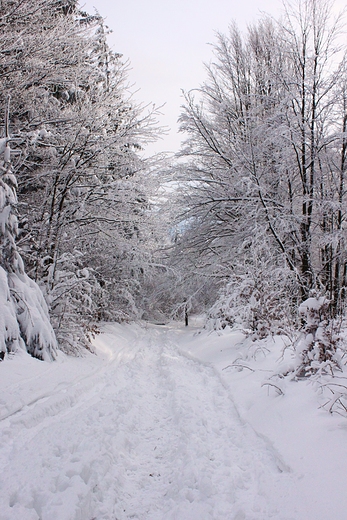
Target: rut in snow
(155,436)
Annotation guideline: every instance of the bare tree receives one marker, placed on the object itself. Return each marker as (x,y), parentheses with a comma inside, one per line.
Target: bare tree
(266,152)
(78,137)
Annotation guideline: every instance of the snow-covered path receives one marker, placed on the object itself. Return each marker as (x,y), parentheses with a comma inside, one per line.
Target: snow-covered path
(145,433)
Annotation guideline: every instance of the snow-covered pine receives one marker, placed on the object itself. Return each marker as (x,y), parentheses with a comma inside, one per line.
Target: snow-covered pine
(24,320)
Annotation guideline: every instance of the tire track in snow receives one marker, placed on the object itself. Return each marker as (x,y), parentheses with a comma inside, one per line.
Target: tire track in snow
(158,438)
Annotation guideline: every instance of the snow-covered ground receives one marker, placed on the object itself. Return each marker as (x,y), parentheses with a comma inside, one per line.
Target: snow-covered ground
(159,426)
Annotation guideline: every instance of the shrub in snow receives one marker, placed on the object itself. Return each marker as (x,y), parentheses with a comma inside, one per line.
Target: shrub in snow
(255,302)
(321,353)
(316,350)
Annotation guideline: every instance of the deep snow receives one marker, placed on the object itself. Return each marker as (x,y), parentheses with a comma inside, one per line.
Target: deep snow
(159,426)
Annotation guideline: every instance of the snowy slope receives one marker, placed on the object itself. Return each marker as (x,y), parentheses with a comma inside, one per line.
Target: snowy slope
(153,428)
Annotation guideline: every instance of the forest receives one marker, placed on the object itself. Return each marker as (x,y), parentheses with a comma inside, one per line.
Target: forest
(247,224)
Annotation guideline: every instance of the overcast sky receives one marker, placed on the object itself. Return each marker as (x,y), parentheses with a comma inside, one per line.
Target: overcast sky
(167,42)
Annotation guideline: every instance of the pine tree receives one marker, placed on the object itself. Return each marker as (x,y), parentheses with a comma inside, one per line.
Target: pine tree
(24,315)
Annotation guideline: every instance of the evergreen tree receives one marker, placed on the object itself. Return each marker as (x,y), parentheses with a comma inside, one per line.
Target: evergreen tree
(24,319)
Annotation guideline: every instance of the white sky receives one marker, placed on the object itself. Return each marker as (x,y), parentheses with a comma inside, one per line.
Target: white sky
(166,42)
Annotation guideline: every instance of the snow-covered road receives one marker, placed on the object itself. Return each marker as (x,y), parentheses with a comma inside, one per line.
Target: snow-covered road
(140,432)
